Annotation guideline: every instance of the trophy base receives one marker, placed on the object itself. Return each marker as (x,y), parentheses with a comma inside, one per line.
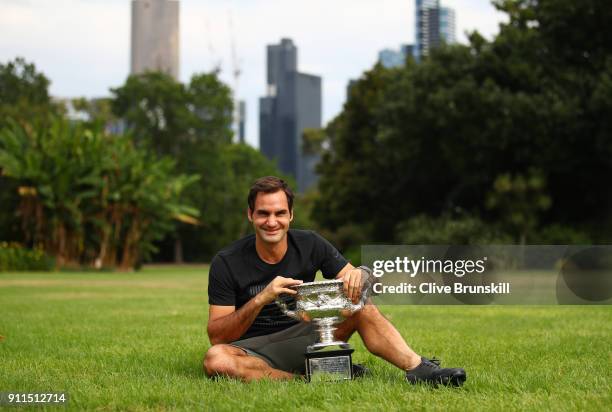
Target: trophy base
(329,365)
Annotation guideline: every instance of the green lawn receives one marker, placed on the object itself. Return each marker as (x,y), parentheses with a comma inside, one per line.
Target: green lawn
(136,342)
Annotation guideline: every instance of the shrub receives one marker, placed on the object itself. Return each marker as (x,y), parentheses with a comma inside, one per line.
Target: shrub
(447,230)
(90,198)
(14,257)
(557,234)
(349,239)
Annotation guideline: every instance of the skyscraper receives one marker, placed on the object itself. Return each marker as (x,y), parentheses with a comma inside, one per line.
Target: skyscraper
(395,58)
(434,25)
(292,104)
(447,25)
(391,58)
(155,36)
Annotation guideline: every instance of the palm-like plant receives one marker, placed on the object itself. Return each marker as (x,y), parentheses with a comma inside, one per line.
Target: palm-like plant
(86,197)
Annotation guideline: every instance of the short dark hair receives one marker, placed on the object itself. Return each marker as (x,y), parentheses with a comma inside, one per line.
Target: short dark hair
(269,184)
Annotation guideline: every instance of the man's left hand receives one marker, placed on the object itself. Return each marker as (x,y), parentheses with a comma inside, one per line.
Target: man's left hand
(353,283)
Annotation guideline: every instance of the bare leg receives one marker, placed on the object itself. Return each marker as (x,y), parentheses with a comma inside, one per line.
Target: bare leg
(380,337)
(227,360)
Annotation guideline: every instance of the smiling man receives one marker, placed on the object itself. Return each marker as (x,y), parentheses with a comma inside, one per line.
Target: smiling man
(252,339)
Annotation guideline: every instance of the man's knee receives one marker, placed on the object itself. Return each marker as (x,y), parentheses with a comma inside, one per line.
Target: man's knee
(219,360)
(367,317)
(368,311)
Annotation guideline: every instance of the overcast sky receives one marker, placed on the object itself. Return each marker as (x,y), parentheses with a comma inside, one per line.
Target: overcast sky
(83,46)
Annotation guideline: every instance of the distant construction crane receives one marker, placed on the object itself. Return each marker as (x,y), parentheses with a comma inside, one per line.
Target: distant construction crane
(217,62)
(239,105)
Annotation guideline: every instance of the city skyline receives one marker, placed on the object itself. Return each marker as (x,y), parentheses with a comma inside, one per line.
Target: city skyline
(71,42)
(434,25)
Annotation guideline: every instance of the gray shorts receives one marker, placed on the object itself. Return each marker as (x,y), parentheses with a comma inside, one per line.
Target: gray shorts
(282,350)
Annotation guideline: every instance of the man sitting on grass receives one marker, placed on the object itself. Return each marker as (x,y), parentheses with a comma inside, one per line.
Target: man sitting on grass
(252,339)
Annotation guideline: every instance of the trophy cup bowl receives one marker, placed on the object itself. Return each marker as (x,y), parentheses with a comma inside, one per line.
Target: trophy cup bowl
(325,304)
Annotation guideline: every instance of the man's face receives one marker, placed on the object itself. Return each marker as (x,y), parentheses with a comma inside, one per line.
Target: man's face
(271,216)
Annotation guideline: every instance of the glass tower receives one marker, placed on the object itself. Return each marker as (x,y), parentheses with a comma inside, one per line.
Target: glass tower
(434,25)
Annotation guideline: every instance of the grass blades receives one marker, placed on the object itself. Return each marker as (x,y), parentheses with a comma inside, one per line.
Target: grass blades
(136,342)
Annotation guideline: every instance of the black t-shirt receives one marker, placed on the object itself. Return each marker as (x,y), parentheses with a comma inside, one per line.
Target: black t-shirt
(237,274)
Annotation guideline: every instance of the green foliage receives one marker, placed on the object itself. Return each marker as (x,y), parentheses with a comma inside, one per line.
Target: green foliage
(9,199)
(448,230)
(88,198)
(227,175)
(302,209)
(348,239)
(430,137)
(92,199)
(312,141)
(350,170)
(192,124)
(24,97)
(176,119)
(519,199)
(20,82)
(24,94)
(14,257)
(98,111)
(557,234)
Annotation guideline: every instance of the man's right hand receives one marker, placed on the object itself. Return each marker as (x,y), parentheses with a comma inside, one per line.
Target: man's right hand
(276,287)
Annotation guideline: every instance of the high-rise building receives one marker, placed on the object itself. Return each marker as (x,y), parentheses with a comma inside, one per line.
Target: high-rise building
(391,58)
(292,104)
(155,36)
(447,25)
(434,25)
(423,25)
(395,58)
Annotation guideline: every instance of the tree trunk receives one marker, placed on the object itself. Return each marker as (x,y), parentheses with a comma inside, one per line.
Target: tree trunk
(178,250)
(60,245)
(130,247)
(104,248)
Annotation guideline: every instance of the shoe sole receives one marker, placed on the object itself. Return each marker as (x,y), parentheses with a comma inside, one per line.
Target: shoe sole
(455,380)
(360,372)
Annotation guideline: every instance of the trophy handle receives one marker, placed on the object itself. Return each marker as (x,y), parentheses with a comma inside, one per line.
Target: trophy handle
(283,307)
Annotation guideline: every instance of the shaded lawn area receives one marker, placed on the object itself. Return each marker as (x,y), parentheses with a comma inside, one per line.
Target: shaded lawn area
(136,342)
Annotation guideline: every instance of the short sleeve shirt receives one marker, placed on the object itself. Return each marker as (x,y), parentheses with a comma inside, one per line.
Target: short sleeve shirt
(237,274)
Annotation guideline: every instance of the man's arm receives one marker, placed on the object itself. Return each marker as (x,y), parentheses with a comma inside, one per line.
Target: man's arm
(226,324)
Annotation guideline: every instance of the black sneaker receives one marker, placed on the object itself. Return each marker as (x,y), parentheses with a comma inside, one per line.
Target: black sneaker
(359,371)
(429,371)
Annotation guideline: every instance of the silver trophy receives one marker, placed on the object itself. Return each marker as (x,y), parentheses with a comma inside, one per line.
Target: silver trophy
(325,304)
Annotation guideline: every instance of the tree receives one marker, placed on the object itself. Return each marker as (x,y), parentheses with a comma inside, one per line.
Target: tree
(356,157)
(432,137)
(191,123)
(172,118)
(227,178)
(24,93)
(519,199)
(89,198)
(24,97)
(567,47)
